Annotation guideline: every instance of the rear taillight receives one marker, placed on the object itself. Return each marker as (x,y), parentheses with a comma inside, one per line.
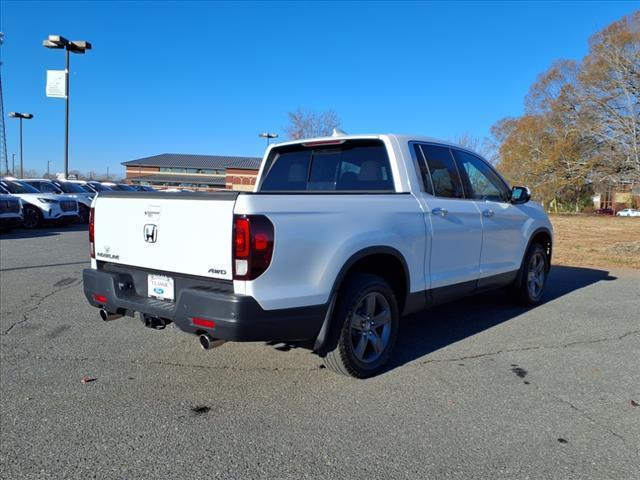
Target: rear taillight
(252,246)
(100,298)
(92,244)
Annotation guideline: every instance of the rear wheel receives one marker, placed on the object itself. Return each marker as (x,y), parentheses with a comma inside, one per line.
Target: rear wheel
(529,285)
(32,217)
(368,318)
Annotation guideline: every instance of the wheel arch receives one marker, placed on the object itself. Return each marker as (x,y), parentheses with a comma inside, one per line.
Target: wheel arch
(544,237)
(384,261)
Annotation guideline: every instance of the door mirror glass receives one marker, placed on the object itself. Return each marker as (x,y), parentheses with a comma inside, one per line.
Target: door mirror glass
(520,195)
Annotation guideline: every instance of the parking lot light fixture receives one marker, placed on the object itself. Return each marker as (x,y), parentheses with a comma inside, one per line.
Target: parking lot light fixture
(21,116)
(268,136)
(58,42)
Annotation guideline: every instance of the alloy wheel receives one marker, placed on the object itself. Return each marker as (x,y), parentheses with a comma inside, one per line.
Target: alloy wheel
(536,274)
(30,218)
(370,327)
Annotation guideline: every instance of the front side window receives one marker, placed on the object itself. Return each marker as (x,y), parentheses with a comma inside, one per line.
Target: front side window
(355,165)
(443,173)
(46,187)
(482,182)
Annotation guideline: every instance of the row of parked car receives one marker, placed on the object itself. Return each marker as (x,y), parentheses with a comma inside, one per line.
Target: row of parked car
(31,202)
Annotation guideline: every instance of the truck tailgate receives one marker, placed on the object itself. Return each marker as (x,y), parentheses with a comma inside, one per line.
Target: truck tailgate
(187,233)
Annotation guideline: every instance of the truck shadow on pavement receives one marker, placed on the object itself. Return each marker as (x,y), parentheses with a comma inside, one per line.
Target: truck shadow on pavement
(433,329)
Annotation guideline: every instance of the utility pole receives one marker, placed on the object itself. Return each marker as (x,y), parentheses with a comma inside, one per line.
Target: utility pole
(3,133)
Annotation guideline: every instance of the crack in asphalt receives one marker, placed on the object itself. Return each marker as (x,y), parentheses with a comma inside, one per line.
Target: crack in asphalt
(584,414)
(545,392)
(25,315)
(534,347)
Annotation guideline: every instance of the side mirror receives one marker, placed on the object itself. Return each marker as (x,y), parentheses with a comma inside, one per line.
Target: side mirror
(520,195)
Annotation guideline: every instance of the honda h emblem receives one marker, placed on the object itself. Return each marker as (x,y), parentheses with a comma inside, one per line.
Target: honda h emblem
(150,233)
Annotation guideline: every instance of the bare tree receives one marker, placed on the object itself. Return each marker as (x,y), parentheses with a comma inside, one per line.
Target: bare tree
(484,146)
(31,173)
(610,96)
(308,124)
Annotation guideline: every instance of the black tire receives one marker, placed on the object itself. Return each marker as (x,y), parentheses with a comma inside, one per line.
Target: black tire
(532,277)
(83,214)
(351,323)
(31,217)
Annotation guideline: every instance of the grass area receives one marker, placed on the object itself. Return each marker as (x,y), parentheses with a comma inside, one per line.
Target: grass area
(598,241)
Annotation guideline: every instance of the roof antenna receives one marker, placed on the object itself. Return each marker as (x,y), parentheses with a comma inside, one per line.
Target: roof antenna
(338,133)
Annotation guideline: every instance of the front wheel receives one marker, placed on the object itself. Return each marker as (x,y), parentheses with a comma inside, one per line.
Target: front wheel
(32,217)
(368,318)
(529,285)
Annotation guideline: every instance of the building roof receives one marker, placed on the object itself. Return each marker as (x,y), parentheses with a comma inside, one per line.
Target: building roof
(197,179)
(196,161)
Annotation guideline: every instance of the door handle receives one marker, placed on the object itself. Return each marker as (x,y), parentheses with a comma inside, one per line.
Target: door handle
(440,211)
(488,213)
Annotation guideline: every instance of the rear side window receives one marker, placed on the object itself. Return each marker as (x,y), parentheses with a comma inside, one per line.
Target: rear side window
(356,165)
(443,173)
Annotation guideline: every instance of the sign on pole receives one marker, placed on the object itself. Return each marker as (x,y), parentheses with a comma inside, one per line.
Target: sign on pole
(57,83)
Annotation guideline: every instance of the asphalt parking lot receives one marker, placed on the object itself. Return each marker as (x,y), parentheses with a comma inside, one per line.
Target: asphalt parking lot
(477,389)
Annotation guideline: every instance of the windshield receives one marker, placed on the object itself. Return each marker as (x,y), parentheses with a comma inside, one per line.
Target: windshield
(126,188)
(68,187)
(98,187)
(18,187)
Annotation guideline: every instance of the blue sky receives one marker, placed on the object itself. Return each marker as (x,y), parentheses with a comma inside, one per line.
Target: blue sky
(205,77)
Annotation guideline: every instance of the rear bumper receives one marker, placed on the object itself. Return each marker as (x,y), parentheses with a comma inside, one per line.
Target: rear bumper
(237,317)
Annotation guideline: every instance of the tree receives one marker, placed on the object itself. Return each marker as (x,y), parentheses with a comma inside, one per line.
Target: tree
(610,90)
(581,121)
(484,146)
(308,124)
(29,172)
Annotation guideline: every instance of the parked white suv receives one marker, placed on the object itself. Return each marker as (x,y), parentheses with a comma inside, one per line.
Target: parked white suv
(70,189)
(342,236)
(38,206)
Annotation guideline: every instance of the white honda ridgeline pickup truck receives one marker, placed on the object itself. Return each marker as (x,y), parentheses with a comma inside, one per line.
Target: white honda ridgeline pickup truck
(342,236)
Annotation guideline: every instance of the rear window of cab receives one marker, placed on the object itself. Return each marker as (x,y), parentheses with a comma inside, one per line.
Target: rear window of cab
(347,166)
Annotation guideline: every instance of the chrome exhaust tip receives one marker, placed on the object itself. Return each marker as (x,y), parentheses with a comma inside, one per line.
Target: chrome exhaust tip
(207,342)
(107,316)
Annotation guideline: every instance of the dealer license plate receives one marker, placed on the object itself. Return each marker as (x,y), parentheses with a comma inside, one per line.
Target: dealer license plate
(160,287)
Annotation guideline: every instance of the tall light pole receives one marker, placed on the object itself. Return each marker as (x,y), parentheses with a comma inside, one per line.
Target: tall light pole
(21,116)
(76,46)
(13,165)
(268,136)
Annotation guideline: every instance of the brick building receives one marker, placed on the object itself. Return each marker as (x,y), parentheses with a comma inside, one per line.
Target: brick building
(194,172)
